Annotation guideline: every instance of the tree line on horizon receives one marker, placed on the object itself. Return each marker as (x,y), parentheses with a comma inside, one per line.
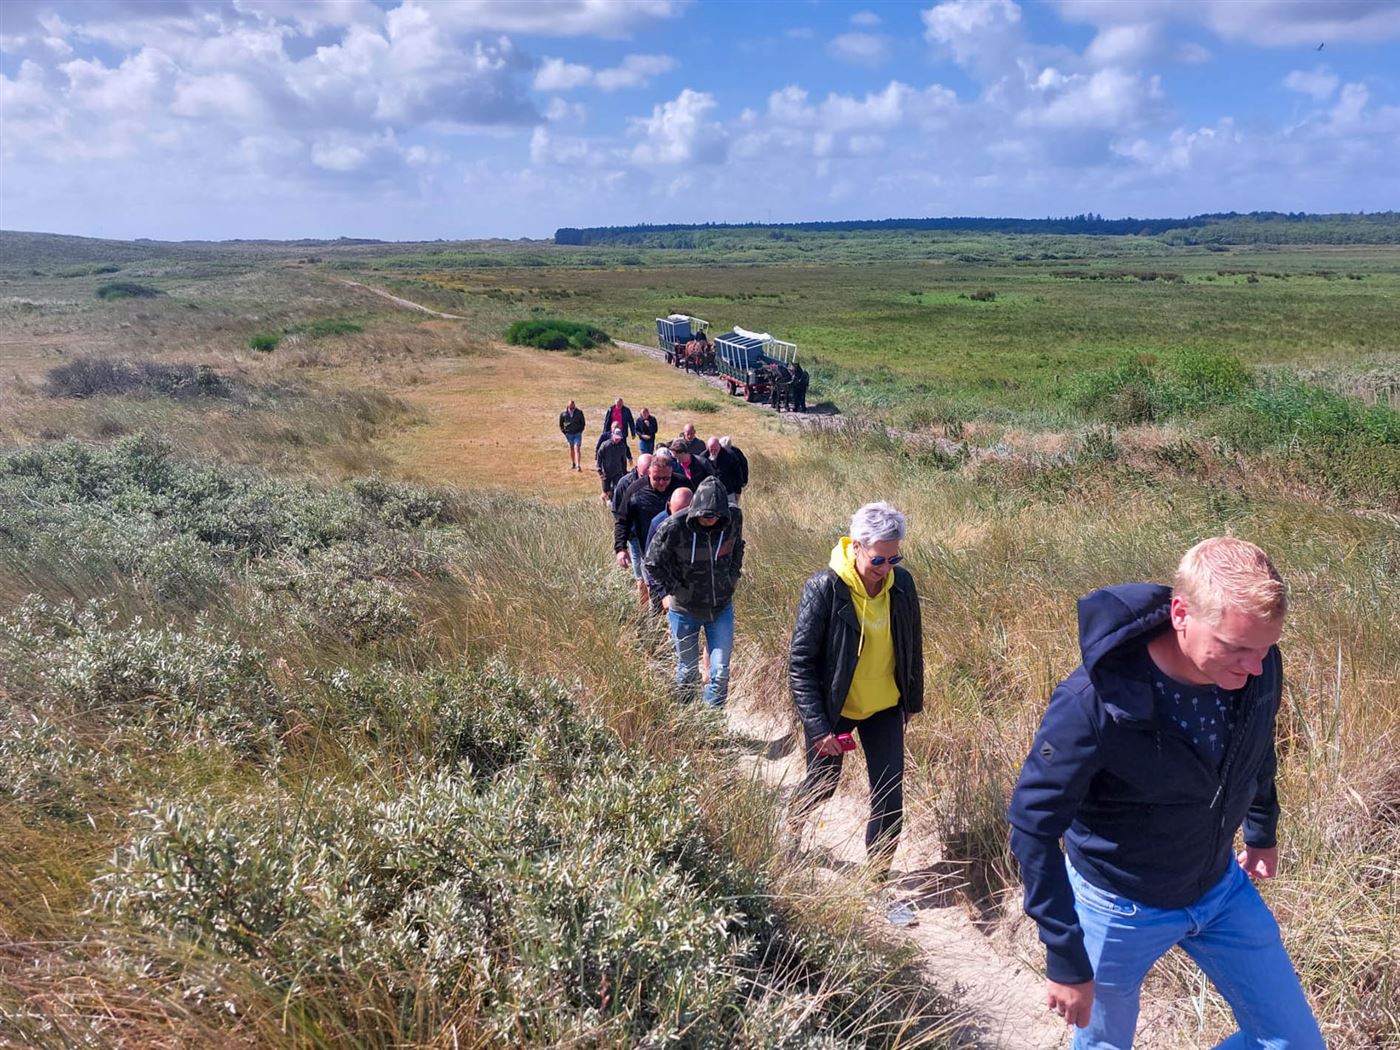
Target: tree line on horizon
(1257,227)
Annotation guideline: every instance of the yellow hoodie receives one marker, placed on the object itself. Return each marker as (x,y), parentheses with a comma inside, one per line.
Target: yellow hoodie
(872,687)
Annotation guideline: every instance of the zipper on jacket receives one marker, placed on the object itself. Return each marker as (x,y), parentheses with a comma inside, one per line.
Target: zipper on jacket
(1251,702)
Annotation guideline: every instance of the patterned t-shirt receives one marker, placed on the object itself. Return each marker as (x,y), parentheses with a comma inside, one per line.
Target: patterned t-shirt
(1205,713)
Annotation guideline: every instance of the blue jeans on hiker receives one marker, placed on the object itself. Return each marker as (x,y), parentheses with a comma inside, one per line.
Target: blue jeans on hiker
(1233,938)
(719,640)
(634,551)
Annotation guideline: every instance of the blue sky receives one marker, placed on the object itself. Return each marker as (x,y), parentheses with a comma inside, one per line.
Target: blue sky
(182,119)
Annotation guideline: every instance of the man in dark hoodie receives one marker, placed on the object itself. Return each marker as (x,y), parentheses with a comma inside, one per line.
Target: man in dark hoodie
(613,458)
(698,556)
(1148,760)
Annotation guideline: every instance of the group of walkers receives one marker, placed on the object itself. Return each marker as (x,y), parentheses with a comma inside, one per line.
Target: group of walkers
(1149,759)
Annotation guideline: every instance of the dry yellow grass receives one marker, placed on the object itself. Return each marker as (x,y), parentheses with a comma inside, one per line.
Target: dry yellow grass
(494,421)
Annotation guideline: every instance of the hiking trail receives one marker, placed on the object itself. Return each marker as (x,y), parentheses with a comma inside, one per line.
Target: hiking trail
(1002,999)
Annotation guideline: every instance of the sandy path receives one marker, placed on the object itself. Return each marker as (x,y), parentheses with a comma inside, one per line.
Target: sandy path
(407,304)
(1003,998)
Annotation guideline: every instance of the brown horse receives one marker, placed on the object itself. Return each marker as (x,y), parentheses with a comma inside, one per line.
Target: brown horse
(698,356)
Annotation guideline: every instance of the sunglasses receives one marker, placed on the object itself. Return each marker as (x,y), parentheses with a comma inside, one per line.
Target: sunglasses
(893,559)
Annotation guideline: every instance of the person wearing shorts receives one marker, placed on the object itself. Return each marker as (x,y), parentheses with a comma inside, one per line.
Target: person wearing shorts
(571,425)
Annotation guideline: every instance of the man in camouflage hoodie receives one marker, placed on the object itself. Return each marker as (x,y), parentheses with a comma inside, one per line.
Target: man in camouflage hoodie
(697,556)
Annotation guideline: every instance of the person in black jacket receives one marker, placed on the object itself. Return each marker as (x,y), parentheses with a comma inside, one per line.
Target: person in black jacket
(857,664)
(613,459)
(619,415)
(642,500)
(646,431)
(698,557)
(571,425)
(690,469)
(730,465)
(1148,760)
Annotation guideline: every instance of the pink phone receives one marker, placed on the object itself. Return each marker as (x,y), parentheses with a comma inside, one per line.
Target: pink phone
(844,739)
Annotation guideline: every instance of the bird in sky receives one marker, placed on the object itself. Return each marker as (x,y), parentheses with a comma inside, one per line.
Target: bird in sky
(1319,47)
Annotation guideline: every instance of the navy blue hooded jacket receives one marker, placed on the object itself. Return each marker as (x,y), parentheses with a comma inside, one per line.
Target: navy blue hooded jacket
(1143,815)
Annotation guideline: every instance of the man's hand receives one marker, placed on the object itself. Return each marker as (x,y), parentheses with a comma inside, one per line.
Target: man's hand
(1071,1001)
(908,715)
(666,602)
(624,559)
(828,745)
(1259,863)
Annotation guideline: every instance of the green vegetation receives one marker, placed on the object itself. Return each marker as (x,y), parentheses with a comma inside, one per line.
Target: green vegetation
(556,335)
(345,816)
(286,763)
(326,326)
(264,342)
(126,290)
(696,404)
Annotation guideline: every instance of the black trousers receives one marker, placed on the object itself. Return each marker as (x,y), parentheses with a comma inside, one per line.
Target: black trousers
(882,739)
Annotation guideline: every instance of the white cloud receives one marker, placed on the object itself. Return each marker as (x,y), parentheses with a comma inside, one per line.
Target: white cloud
(973,30)
(634,71)
(1268,23)
(865,19)
(1122,45)
(1319,83)
(606,18)
(557,75)
(1109,99)
(866,49)
(561,111)
(679,131)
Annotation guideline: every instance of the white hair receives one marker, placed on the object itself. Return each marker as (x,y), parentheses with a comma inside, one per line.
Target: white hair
(876,523)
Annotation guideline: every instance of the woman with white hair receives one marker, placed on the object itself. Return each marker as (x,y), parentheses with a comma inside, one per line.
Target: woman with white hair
(857,666)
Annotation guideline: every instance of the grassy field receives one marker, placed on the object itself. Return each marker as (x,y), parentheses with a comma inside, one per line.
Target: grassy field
(349,599)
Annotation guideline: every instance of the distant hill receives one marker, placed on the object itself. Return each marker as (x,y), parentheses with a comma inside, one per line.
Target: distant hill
(54,249)
(1216,228)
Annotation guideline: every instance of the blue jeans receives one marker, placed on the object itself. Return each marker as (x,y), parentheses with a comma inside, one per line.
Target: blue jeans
(1233,938)
(634,550)
(645,445)
(719,641)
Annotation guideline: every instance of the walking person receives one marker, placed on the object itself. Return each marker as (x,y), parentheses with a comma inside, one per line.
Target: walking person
(640,502)
(729,464)
(646,431)
(619,415)
(572,425)
(697,557)
(690,469)
(856,666)
(613,459)
(693,444)
(1148,760)
(679,501)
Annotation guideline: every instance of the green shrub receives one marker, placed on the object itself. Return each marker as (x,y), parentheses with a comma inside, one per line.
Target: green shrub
(195,684)
(550,334)
(566,888)
(983,295)
(1196,379)
(326,326)
(696,404)
(264,342)
(126,290)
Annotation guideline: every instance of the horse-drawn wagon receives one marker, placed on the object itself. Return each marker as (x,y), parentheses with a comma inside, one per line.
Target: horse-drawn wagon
(752,363)
(683,340)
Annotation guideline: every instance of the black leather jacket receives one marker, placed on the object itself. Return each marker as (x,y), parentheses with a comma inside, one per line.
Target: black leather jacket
(825,640)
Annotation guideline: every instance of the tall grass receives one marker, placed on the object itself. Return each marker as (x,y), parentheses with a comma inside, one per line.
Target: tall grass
(366,828)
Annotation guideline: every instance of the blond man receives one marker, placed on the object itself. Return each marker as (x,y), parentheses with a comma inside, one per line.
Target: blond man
(1149,759)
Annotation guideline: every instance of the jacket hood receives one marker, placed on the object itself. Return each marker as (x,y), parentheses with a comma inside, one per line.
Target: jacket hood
(710,498)
(843,563)
(1109,619)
